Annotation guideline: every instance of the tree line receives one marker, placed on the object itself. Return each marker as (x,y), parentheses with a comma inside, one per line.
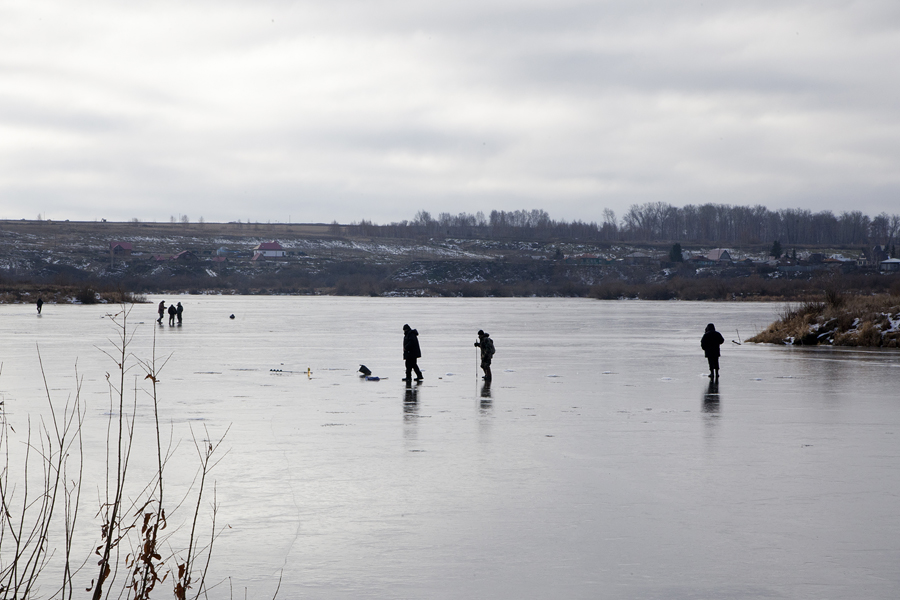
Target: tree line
(719,224)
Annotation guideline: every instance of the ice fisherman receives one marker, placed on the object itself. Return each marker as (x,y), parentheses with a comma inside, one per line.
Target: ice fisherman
(710,342)
(172,312)
(162,311)
(411,352)
(40,304)
(487,352)
(178,310)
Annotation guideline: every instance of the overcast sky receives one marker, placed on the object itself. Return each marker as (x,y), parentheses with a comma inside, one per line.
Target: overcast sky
(317,111)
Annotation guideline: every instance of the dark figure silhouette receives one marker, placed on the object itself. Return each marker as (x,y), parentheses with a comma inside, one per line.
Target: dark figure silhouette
(487,352)
(40,304)
(162,311)
(710,342)
(411,352)
(178,310)
(172,312)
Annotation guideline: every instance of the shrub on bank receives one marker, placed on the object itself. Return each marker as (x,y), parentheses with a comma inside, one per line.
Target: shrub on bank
(839,320)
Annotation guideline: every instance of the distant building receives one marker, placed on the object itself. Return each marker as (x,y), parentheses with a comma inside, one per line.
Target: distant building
(699,261)
(186,256)
(891,265)
(638,258)
(270,250)
(872,257)
(719,255)
(120,248)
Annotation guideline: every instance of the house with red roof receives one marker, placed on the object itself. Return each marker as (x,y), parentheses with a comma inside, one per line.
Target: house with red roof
(120,248)
(270,250)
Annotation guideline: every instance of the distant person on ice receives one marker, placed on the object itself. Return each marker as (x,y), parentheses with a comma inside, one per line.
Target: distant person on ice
(487,352)
(172,312)
(178,310)
(162,311)
(40,304)
(411,352)
(710,343)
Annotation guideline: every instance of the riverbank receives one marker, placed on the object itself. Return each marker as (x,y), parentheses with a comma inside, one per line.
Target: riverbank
(838,320)
(28,293)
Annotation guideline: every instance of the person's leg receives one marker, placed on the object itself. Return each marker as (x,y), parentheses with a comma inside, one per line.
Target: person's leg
(409,366)
(416,367)
(487,372)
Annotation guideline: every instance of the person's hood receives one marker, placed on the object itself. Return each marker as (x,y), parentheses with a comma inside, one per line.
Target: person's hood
(413,332)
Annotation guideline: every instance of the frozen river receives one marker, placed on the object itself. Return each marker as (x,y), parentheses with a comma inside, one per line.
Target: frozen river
(599,464)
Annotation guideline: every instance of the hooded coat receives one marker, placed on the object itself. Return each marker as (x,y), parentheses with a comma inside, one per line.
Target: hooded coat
(411,345)
(710,342)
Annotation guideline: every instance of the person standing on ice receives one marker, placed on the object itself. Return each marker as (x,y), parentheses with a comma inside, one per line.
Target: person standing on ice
(487,352)
(162,311)
(411,352)
(710,342)
(178,310)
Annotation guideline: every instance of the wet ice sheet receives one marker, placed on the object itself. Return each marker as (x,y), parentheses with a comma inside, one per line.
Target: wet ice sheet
(598,464)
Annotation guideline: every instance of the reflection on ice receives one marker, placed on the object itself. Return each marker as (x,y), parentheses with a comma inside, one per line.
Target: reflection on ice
(711,397)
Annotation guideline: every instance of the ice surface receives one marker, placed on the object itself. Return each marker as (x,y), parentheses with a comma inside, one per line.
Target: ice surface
(600,463)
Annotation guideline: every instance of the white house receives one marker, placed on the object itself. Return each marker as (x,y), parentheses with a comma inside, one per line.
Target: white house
(270,250)
(891,264)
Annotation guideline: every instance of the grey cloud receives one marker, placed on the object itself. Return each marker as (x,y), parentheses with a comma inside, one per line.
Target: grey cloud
(377,110)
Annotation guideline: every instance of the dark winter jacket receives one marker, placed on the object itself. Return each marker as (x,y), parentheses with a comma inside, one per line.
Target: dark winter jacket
(710,343)
(411,345)
(487,348)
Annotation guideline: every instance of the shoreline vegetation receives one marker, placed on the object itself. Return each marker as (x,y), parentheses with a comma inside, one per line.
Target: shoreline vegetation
(752,288)
(838,320)
(29,292)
